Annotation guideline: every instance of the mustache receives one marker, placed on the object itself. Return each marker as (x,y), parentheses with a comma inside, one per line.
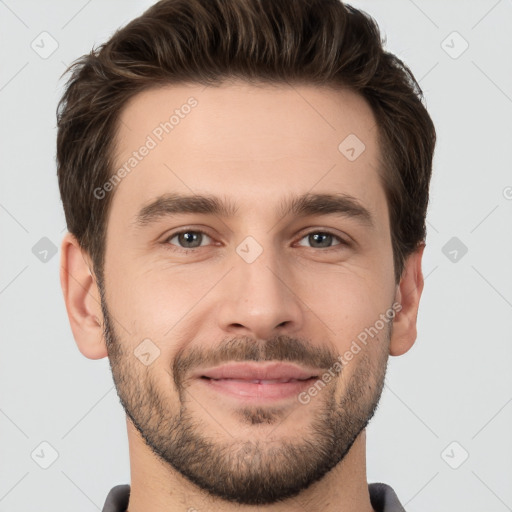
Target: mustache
(244,349)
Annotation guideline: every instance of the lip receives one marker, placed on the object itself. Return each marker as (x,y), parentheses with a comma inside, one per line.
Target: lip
(257,382)
(259,371)
(261,392)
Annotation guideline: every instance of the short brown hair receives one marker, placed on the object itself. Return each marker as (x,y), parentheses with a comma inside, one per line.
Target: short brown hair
(317,42)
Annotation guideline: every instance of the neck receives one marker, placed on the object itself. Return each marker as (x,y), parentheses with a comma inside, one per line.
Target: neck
(157,487)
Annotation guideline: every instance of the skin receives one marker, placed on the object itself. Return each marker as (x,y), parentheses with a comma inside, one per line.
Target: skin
(255,145)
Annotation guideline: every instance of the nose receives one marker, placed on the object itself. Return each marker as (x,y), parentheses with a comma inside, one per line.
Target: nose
(259,300)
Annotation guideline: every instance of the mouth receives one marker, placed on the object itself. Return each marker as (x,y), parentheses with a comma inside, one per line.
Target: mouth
(256,382)
(262,381)
(259,372)
(258,390)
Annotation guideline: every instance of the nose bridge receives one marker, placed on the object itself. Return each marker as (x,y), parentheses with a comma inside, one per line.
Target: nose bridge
(258,269)
(259,297)
(257,265)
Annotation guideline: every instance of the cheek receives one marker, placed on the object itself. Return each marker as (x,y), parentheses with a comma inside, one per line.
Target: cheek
(347,301)
(155,302)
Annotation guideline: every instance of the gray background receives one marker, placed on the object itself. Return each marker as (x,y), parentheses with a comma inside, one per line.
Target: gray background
(449,397)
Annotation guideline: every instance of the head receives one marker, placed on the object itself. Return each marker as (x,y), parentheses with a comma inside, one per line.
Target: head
(305,153)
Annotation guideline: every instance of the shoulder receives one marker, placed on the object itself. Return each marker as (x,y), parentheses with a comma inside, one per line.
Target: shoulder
(117,499)
(383,498)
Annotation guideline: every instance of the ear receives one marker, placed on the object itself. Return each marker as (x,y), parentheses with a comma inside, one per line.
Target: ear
(408,295)
(82,298)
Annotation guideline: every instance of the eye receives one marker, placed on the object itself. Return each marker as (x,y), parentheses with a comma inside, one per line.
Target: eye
(190,239)
(187,239)
(323,240)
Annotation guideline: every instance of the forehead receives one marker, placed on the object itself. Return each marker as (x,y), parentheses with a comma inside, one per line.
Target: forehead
(248,143)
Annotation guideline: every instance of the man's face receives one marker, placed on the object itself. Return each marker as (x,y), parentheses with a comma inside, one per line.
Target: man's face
(258,285)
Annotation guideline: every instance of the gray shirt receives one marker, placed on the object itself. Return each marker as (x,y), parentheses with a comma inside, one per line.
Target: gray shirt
(382,497)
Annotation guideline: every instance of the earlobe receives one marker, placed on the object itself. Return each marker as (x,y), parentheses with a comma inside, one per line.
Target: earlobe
(408,294)
(82,299)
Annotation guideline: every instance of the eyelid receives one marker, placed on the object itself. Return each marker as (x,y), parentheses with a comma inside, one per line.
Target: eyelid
(342,240)
(185,230)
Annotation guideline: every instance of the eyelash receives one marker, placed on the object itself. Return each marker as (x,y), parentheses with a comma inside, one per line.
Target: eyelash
(342,243)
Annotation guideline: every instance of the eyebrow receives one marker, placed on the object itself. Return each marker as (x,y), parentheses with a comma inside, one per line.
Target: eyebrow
(308,204)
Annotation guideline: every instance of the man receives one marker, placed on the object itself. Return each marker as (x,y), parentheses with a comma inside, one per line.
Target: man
(245,184)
